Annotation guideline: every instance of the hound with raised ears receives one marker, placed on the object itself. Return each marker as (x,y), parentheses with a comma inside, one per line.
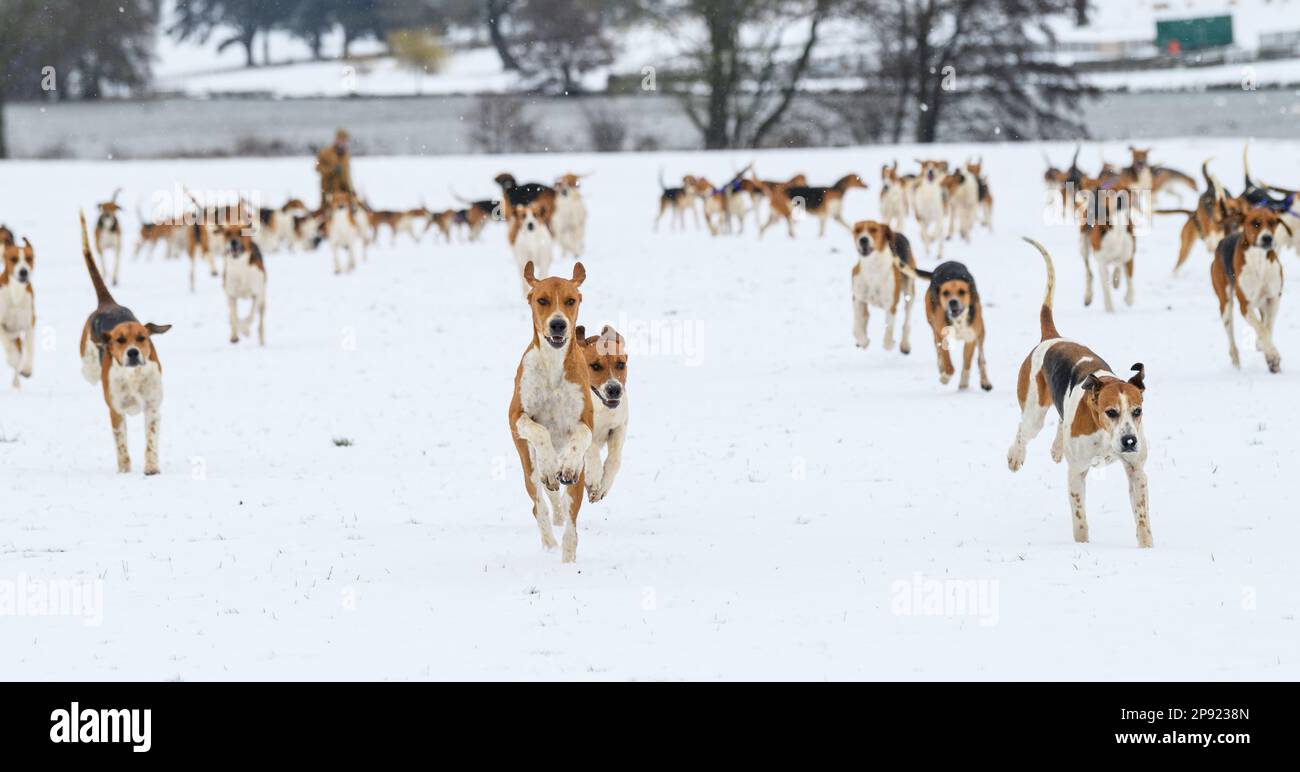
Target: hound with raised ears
(677,201)
(118,353)
(1101,415)
(345,229)
(569,222)
(893,198)
(531,241)
(244,278)
(953,309)
(822,203)
(606,357)
(18,308)
(1246,269)
(930,205)
(877,280)
(551,413)
(1106,235)
(108,234)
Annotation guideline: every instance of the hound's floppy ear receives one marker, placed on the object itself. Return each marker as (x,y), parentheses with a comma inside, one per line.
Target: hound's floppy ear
(1140,372)
(1091,383)
(28,244)
(581,333)
(1280,221)
(579,274)
(157,329)
(529,276)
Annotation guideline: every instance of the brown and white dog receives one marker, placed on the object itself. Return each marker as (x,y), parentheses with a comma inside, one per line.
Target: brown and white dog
(18,308)
(877,280)
(569,222)
(1246,269)
(403,221)
(169,234)
(965,202)
(953,309)
(244,278)
(275,227)
(551,416)
(606,356)
(678,201)
(118,352)
(1101,415)
(345,229)
(893,198)
(1106,235)
(1216,215)
(823,203)
(108,234)
(445,221)
(930,205)
(531,241)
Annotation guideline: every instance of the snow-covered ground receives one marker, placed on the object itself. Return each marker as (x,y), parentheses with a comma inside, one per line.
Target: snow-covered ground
(789,504)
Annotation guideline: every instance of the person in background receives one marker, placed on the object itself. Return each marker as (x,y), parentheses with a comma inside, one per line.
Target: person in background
(334,165)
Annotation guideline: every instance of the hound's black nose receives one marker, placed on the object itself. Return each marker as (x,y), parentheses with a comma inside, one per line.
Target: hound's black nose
(133,354)
(864,242)
(1128,442)
(22,275)
(954,306)
(613,391)
(1266,240)
(530,226)
(558,326)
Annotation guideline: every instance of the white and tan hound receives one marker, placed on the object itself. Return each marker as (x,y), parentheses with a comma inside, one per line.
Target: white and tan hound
(345,229)
(108,234)
(551,413)
(877,280)
(893,198)
(118,353)
(930,205)
(244,278)
(569,221)
(18,308)
(606,357)
(1100,415)
(531,241)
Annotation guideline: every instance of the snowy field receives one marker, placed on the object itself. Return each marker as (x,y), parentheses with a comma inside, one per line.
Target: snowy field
(785,497)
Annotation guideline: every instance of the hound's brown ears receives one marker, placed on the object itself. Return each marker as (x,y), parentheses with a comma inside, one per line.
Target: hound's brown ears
(581,333)
(529,275)
(1140,371)
(1091,383)
(28,244)
(157,329)
(1280,221)
(579,274)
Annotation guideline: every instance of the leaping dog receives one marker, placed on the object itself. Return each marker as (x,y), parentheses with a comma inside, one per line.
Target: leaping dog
(551,412)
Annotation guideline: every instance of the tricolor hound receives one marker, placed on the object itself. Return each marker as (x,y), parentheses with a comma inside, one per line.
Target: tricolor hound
(18,307)
(1101,414)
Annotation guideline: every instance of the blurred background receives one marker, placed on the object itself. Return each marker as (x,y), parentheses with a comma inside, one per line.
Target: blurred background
(211,78)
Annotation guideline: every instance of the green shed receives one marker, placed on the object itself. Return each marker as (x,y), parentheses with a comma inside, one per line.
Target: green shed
(1195,34)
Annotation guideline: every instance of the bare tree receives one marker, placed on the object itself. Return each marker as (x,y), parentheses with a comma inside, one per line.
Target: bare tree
(748,67)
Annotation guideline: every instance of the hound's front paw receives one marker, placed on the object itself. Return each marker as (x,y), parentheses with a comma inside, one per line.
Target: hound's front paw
(597,492)
(151,470)
(1015,458)
(570,469)
(985,385)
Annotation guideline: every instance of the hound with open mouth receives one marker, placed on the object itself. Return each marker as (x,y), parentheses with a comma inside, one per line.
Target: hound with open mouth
(1101,414)
(953,309)
(551,415)
(108,234)
(118,353)
(877,280)
(606,357)
(1246,269)
(18,307)
(244,278)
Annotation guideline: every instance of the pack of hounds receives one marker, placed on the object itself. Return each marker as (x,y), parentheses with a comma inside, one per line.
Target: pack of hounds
(569,403)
